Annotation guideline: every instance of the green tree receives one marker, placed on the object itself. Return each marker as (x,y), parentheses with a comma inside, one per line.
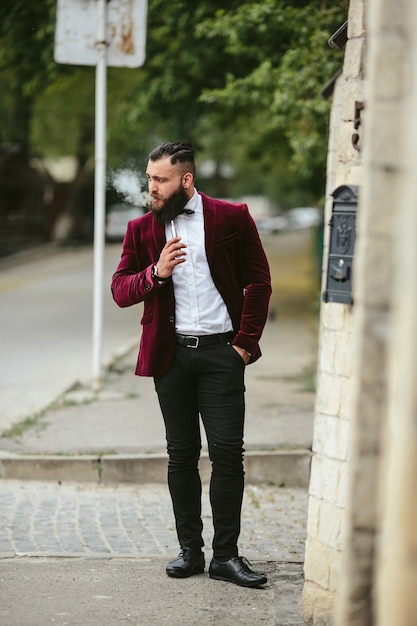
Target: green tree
(284,62)
(240,81)
(26,62)
(250,74)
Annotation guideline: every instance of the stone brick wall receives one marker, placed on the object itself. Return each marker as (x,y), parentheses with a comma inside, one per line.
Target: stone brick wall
(328,491)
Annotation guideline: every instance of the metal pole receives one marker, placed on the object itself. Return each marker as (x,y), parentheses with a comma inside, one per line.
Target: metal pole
(99,191)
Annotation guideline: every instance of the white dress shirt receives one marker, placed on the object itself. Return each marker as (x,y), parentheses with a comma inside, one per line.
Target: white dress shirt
(199,307)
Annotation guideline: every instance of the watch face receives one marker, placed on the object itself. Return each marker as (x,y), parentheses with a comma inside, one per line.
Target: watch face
(155,275)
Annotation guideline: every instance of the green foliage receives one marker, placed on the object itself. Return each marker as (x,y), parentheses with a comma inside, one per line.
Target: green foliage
(26,60)
(26,37)
(64,115)
(178,67)
(241,80)
(284,63)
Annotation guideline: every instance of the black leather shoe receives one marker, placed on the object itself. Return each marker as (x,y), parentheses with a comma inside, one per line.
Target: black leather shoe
(190,561)
(237,571)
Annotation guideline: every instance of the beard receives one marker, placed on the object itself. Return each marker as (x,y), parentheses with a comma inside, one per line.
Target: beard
(174,205)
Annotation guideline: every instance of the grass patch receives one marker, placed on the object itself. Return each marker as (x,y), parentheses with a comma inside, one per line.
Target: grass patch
(306,379)
(67,402)
(18,430)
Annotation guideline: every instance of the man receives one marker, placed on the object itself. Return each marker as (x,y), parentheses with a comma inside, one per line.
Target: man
(199,267)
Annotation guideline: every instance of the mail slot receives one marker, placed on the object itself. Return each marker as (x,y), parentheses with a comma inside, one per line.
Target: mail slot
(341,245)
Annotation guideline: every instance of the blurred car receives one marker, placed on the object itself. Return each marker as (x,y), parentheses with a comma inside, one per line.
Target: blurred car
(117,217)
(272,224)
(303,217)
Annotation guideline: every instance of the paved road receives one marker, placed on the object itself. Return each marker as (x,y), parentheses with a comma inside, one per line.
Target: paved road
(46,327)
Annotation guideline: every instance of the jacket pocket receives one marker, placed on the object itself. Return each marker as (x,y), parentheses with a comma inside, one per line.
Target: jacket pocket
(235,354)
(227,239)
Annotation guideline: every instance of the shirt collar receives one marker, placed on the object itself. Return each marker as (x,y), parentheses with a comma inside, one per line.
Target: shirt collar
(194,203)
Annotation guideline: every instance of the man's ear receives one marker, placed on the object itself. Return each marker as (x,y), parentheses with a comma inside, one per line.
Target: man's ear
(187,180)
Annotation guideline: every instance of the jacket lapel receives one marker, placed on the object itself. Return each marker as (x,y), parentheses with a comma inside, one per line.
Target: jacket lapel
(209,211)
(210,214)
(158,234)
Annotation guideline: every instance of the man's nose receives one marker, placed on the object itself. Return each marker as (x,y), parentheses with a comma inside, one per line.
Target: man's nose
(152,187)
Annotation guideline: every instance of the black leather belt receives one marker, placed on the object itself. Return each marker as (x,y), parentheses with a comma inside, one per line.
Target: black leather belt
(199,341)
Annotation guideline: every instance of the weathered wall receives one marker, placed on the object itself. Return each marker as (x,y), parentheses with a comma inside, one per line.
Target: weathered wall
(393,50)
(361,553)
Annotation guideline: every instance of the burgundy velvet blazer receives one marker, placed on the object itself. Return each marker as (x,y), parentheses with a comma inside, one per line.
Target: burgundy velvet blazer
(237,264)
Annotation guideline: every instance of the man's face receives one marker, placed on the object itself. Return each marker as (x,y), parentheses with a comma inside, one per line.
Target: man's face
(168,196)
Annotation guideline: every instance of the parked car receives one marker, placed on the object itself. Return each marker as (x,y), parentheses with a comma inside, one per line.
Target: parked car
(303,217)
(272,224)
(117,217)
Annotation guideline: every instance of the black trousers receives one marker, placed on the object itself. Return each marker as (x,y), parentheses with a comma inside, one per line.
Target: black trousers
(206,381)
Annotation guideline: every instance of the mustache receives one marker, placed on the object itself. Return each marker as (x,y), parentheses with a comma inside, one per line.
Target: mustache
(173,206)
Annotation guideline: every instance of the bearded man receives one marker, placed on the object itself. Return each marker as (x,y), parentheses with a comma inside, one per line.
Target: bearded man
(199,267)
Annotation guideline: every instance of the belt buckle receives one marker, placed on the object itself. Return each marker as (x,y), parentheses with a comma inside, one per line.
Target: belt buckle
(196,339)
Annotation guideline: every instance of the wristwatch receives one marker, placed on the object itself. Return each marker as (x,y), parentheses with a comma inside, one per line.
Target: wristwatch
(155,276)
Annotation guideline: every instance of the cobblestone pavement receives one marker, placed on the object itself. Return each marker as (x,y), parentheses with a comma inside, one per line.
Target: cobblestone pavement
(84,519)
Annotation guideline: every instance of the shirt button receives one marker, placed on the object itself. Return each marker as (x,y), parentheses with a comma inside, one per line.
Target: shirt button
(171,319)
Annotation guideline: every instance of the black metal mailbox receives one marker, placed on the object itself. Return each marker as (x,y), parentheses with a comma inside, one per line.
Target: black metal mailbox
(341,245)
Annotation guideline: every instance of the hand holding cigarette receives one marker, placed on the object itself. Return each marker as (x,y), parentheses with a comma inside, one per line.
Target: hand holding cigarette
(172,254)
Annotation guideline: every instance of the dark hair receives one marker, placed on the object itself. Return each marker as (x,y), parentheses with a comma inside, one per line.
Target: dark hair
(178,151)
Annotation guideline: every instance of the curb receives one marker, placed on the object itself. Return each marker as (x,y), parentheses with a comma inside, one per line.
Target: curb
(281,467)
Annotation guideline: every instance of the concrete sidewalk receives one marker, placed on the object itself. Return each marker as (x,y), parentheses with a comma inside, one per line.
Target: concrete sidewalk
(117,435)
(87,592)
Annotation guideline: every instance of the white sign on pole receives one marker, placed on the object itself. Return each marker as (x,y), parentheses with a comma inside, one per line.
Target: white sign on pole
(100,33)
(76,36)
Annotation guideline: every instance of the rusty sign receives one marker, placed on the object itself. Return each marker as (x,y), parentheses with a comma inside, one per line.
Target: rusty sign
(76,36)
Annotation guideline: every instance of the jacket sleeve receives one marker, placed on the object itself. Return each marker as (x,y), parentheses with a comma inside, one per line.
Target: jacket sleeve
(256,288)
(132,282)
